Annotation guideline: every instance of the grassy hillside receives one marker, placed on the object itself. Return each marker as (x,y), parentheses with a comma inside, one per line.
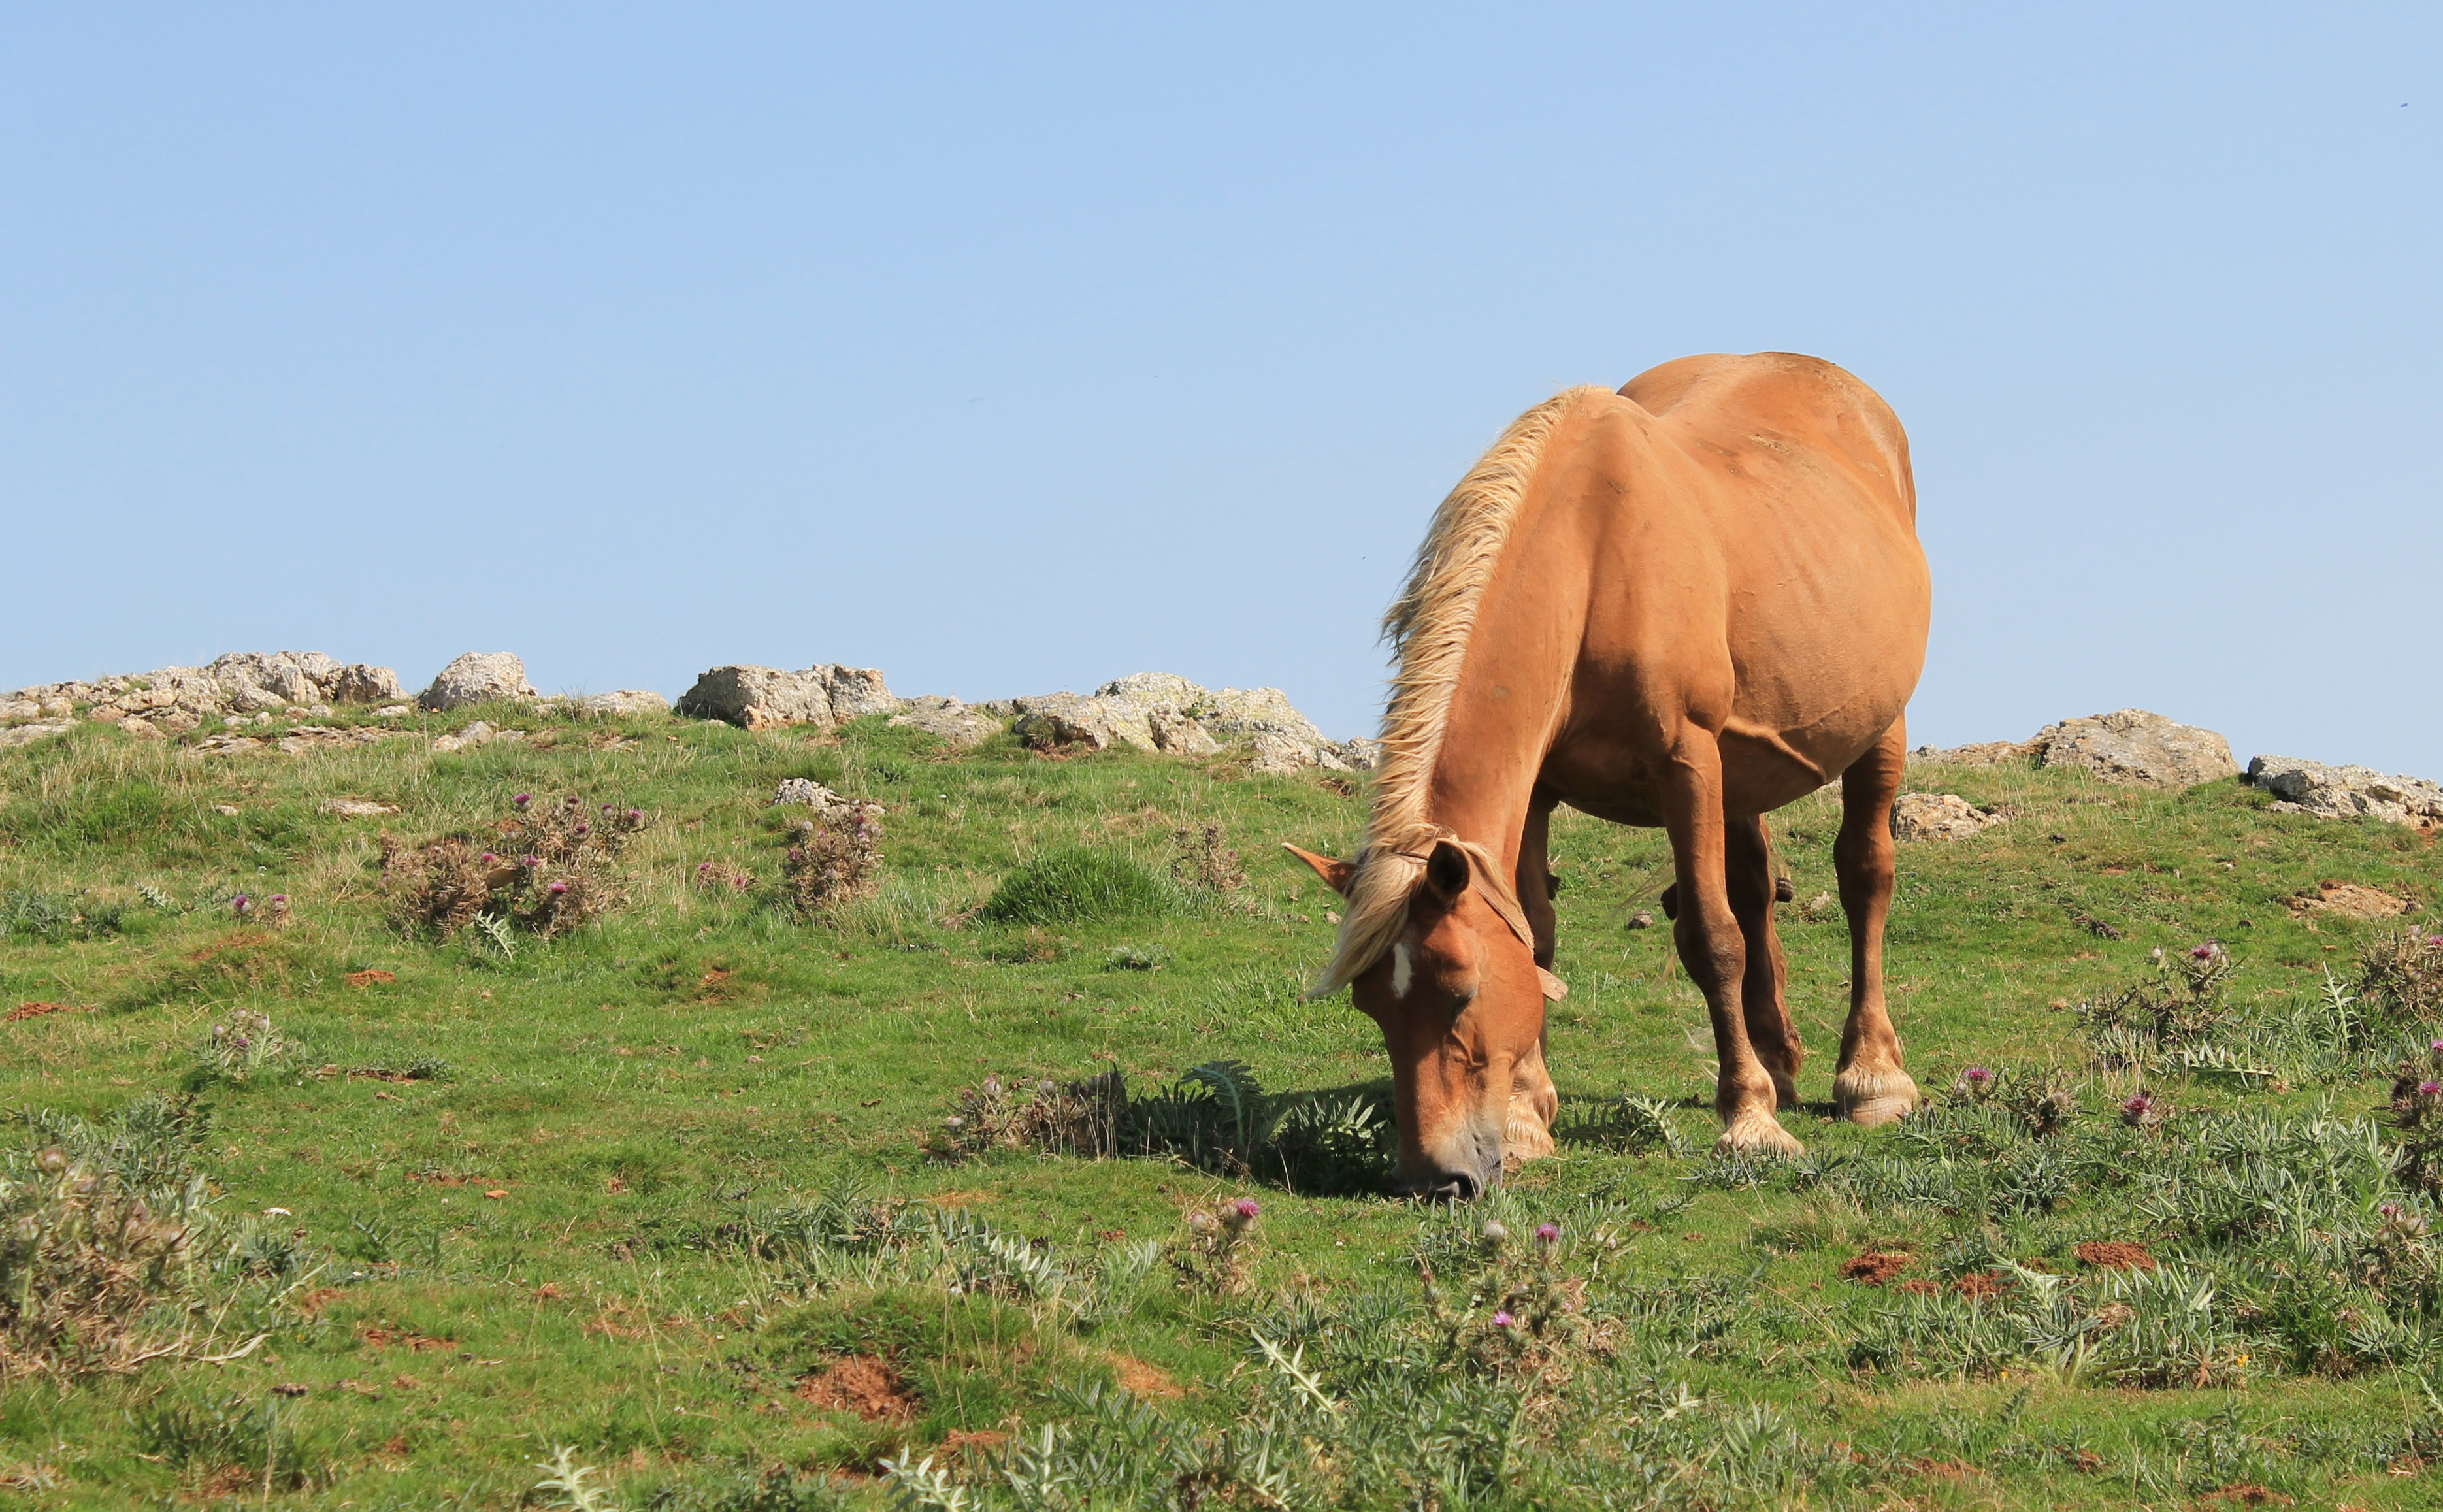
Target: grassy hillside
(680,1190)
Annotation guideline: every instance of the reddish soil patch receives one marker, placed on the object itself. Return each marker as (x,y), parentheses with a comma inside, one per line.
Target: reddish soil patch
(1922,1288)
(1876,1267)
(863,1384)
(2247,1493)
(2115,1254)
(366,979)
(35,1011)
(1138,1378)
(405,1337)
(982,1440)
(1983,1283)
(320,1298)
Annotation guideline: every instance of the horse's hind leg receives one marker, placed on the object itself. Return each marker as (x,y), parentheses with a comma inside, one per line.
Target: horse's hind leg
(1712,946)
(1869,1086)
(1766,1008)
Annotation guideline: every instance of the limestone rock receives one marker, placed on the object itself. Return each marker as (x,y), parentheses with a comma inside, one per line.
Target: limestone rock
(358,683)
(1940,817)
(1059,721)
(17,710)
(477,733)
(28,734)
(354,808)
(767,698)
(2136,749)
(477,677)
(2350,900)
(827,805)
(1982,753)
(2347,792)
(139,727)
(948,718)
(1164,711)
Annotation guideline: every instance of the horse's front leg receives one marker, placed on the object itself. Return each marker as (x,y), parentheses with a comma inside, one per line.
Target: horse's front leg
(1869,1086)
(1533,1100)
(1714,948)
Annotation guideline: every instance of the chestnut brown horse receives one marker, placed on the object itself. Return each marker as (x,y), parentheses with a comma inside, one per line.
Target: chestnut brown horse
(1685,604)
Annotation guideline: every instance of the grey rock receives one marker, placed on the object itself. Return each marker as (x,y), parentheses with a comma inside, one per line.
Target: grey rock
(359,683)
(1983,753)
(17,710)
(1939,817)
(28,734)
(1058,721)
(828,805)
(2347,792)
(767,698)
(1177,734)
(477,677)
(951,720)
(478,734)
(2136,749)
(354,808)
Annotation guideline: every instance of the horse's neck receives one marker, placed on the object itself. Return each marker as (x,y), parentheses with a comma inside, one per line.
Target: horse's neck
(1512,693)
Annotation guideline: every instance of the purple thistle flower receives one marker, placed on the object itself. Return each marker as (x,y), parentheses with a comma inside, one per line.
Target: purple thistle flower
(635,815)
(530,861)
(606,808)
(280,898)
(2437,1045)
(1502,1319)
(1245,1207)
(522,800)
(2388,1210)
(2430,1089)
(2202,952)
(489,857)
(557,887)
(241,903)
(1548,1233)
(583,829)
(1976,1075)
(2139,1106)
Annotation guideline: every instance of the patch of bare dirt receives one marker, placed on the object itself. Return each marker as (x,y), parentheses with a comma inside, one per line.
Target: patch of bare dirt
(2349,900)
(863,1384)
(1138,1378)
(369,978)
(2115,1254)
(35,1011)
(1982,1284)
(2247,1493)
(1876,1267)
(983,1440)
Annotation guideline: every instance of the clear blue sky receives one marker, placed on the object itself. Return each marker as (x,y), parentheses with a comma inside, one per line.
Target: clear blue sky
(1010,353)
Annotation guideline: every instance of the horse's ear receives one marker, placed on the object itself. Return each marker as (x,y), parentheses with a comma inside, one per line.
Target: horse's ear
(1446,871)
(1335,875)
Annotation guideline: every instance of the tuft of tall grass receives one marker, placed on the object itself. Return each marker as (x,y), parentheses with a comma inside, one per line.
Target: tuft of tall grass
(1078,885)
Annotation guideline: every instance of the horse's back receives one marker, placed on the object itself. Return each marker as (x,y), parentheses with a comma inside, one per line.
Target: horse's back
(1816,407)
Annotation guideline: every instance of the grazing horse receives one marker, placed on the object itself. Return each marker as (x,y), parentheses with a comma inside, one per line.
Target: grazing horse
(1683,604)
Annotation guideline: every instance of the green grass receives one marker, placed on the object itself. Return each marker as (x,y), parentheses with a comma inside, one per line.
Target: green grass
(708,1128)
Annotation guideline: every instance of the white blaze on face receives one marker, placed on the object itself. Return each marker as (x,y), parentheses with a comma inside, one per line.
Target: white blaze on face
(1402,970)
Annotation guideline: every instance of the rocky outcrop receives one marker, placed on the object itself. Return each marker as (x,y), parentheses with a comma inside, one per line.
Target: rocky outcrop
(1983,753)
(2136,749)
(1940,817)
(948,718)
(1163,711)
(768,698)
(177,699)
(478,734)
(28,734)
(2347,792)
(479,678)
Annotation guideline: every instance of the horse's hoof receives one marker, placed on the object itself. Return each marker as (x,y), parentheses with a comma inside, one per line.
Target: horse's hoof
(1868,1098)
(1756,1133)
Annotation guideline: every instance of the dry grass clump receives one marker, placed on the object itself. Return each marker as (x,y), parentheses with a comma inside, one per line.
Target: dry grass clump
(833,859)
(550,868)
(99,1228)
(2400,975)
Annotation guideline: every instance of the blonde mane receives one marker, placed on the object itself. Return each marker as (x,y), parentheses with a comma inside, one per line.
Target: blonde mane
(1428,627)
